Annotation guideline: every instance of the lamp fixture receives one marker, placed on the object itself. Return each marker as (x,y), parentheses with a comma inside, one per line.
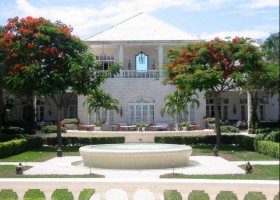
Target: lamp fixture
(129,65)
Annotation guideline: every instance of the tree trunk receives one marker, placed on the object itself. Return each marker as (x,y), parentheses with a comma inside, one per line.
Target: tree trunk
(1,104)
(30,113)
(217,119)
(58,120)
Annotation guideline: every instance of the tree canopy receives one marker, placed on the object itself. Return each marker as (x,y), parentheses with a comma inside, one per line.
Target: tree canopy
(46,59)
(212,67)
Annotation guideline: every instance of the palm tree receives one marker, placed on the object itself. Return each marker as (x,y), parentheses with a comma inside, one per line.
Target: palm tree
(98,101)
(177,104)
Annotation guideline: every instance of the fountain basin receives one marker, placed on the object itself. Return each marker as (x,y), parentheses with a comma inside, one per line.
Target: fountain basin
(135,156)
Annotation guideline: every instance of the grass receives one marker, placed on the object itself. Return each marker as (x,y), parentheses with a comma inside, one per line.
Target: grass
(8,171)
(42,154)
(260,172)
(230,153)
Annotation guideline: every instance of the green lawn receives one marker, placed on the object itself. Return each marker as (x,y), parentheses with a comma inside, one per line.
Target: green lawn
(260,172)
(42,154)
(231,153)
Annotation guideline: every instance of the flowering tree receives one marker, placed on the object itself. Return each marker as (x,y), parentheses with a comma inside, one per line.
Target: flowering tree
(211,67)
(48,60)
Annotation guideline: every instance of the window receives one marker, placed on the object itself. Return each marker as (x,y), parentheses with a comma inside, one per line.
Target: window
(141,61)
(106,61)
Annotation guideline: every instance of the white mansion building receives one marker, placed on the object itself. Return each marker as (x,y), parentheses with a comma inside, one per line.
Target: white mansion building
(140,44)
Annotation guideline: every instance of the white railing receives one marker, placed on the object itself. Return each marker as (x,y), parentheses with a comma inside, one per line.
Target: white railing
(131,188)
(138,74)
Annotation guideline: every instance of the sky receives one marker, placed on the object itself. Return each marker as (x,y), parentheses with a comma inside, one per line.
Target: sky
(205,19)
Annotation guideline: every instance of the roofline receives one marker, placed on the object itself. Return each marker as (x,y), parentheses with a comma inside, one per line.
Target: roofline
(142,42)
(114,25)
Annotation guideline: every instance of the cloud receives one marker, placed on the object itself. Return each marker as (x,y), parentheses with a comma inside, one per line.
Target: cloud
(259,4)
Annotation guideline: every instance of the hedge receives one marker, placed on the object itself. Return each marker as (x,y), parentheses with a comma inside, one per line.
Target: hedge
(51,129)
(81,141)
(267,147)
(8,137)
(12,130)
(264,147)
(17,146)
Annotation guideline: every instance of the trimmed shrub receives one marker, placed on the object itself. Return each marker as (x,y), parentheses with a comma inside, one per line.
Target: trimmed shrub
(273,136)
(32,194)
(8,137)
(255,196)
(12,130)
(198,194)
(81,141)
(225,195)
(17,146)
(62,194)
(71,121)
(8,194)
(267,148)
(51,129)
(86,194)
(229,129)
(172,195)
(20,123)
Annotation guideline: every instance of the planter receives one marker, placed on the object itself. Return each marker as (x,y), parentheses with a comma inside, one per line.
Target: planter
(97,128)
(71,126)
(184,128)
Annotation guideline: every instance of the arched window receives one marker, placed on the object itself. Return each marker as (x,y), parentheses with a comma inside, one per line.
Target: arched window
(141,61)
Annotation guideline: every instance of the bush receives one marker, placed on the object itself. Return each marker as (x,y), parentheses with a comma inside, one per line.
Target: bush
(172,195)
(267,148)
(17,146)
(254,196)
(34,194)
(8,194)
(225,195)
(81,141)
(229,129)
(62,194)
(12,130)
(197,194)
(51,129)
(273,136)
(8,137)
(71,121)
(20,123)
(86,194)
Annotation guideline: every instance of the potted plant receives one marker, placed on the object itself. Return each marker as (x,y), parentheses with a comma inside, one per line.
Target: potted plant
(97,125)
(140,126)
(184,125)
(71,123)
(209,122)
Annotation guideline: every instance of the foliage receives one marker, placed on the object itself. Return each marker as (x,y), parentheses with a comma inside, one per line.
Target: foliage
(254,196)
(81,141)
(140,125)
(229,129)
(8,194)
(62,194)
(270,135)
(51,129)
(212,67)
(271,48)
(71,121)
(198,194)
(8,137)
(12,130)
(267,148)
(19,145)
(86,194)
(184,124)
(177,104)
(225,195)
(32,194)
(97,123)
(172,195)
(98,100)
(47,60)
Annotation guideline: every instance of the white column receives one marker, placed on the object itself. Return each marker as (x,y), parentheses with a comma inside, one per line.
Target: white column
(120,54)
(160,56)
(249,107)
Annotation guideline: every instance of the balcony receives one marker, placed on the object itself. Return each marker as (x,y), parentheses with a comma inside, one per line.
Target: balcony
(138,74)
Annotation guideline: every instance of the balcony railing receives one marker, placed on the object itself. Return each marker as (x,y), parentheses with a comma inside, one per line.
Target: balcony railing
(138,74)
